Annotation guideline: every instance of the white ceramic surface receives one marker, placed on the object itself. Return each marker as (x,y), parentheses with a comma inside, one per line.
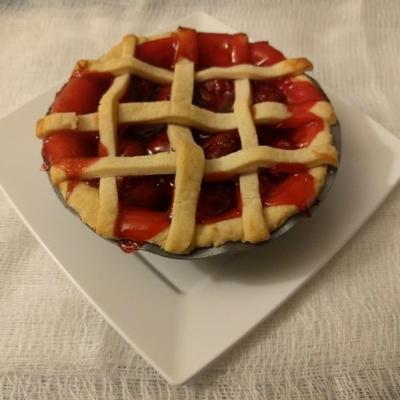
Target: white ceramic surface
(181,315)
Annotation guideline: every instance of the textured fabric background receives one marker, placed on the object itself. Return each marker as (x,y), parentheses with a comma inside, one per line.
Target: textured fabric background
(339,338)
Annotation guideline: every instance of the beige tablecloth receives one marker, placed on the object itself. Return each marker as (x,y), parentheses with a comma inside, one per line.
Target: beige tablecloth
(339,338)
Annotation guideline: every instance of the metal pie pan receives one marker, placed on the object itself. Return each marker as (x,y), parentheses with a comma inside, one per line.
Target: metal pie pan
(237,247)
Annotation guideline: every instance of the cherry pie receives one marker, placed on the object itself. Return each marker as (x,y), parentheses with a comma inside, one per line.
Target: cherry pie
(188,140)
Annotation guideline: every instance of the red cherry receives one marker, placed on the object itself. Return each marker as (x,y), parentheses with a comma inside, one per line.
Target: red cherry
(69,144)
(267,91)
(130,147)
(186,45)
(214,50)
(82,93)
(280,138)
(151,192)
(215,199)
(222,50)
(240,52)
(166,186)
(164,93)
(263,54)
(160,52)
(299,91)
(140,192)
(139,89)
(221,144)
(159,143)
(217,95)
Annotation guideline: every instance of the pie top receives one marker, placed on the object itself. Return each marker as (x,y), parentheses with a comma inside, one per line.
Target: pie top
(188,139)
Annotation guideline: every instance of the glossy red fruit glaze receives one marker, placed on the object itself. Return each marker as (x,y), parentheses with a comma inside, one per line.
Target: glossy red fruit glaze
(82,93)
(150,192)
(295,138)
(160,52)
(163,93)
(140,192)
(129,246)
(279,138)
(139,224)
(159,143)
(240,52)
(215,200)
(221,144)
(139,90)
(186,45)
(301,115)
(222,50)
(286,189)
(68,143)
(267,91)
(299,91)
(130,147)
(213,50)
(263,54)
(303,136)
(216,95)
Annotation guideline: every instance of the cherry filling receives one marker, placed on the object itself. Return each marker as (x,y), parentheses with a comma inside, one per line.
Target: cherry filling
(137,140)
(216,95)
(82,93)
(218,201)
(218,144)
(290,138)
(144,208)
(207,50)
(286,185)
(151,192)
(68,143)
(145,202)
(285,90)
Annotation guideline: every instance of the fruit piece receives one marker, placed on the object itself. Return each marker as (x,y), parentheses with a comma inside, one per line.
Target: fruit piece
(299,91)
(140,192)
(215,199)
(220,144)
(263,54)
(216,95)
(159,52)
(130,147)
(186,45)
(69,144)
(159,143)
(150,192)
(164,93)
(139,89)
(82,93)
(214,50)
(267,91)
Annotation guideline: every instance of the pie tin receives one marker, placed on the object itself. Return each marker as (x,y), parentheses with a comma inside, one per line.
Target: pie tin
(238,247)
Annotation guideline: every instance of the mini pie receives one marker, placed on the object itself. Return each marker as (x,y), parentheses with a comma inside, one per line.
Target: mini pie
(188,139)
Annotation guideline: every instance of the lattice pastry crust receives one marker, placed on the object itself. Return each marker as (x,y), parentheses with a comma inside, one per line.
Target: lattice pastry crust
(98,207)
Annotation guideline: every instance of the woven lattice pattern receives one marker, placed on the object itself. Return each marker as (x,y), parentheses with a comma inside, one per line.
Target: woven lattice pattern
(186,160)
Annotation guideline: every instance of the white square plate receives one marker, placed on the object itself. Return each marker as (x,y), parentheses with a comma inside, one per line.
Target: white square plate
(181,315)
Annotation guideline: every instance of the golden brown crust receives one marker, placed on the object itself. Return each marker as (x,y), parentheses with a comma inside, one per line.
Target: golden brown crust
(254,227)
(189,167)
(179,114)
